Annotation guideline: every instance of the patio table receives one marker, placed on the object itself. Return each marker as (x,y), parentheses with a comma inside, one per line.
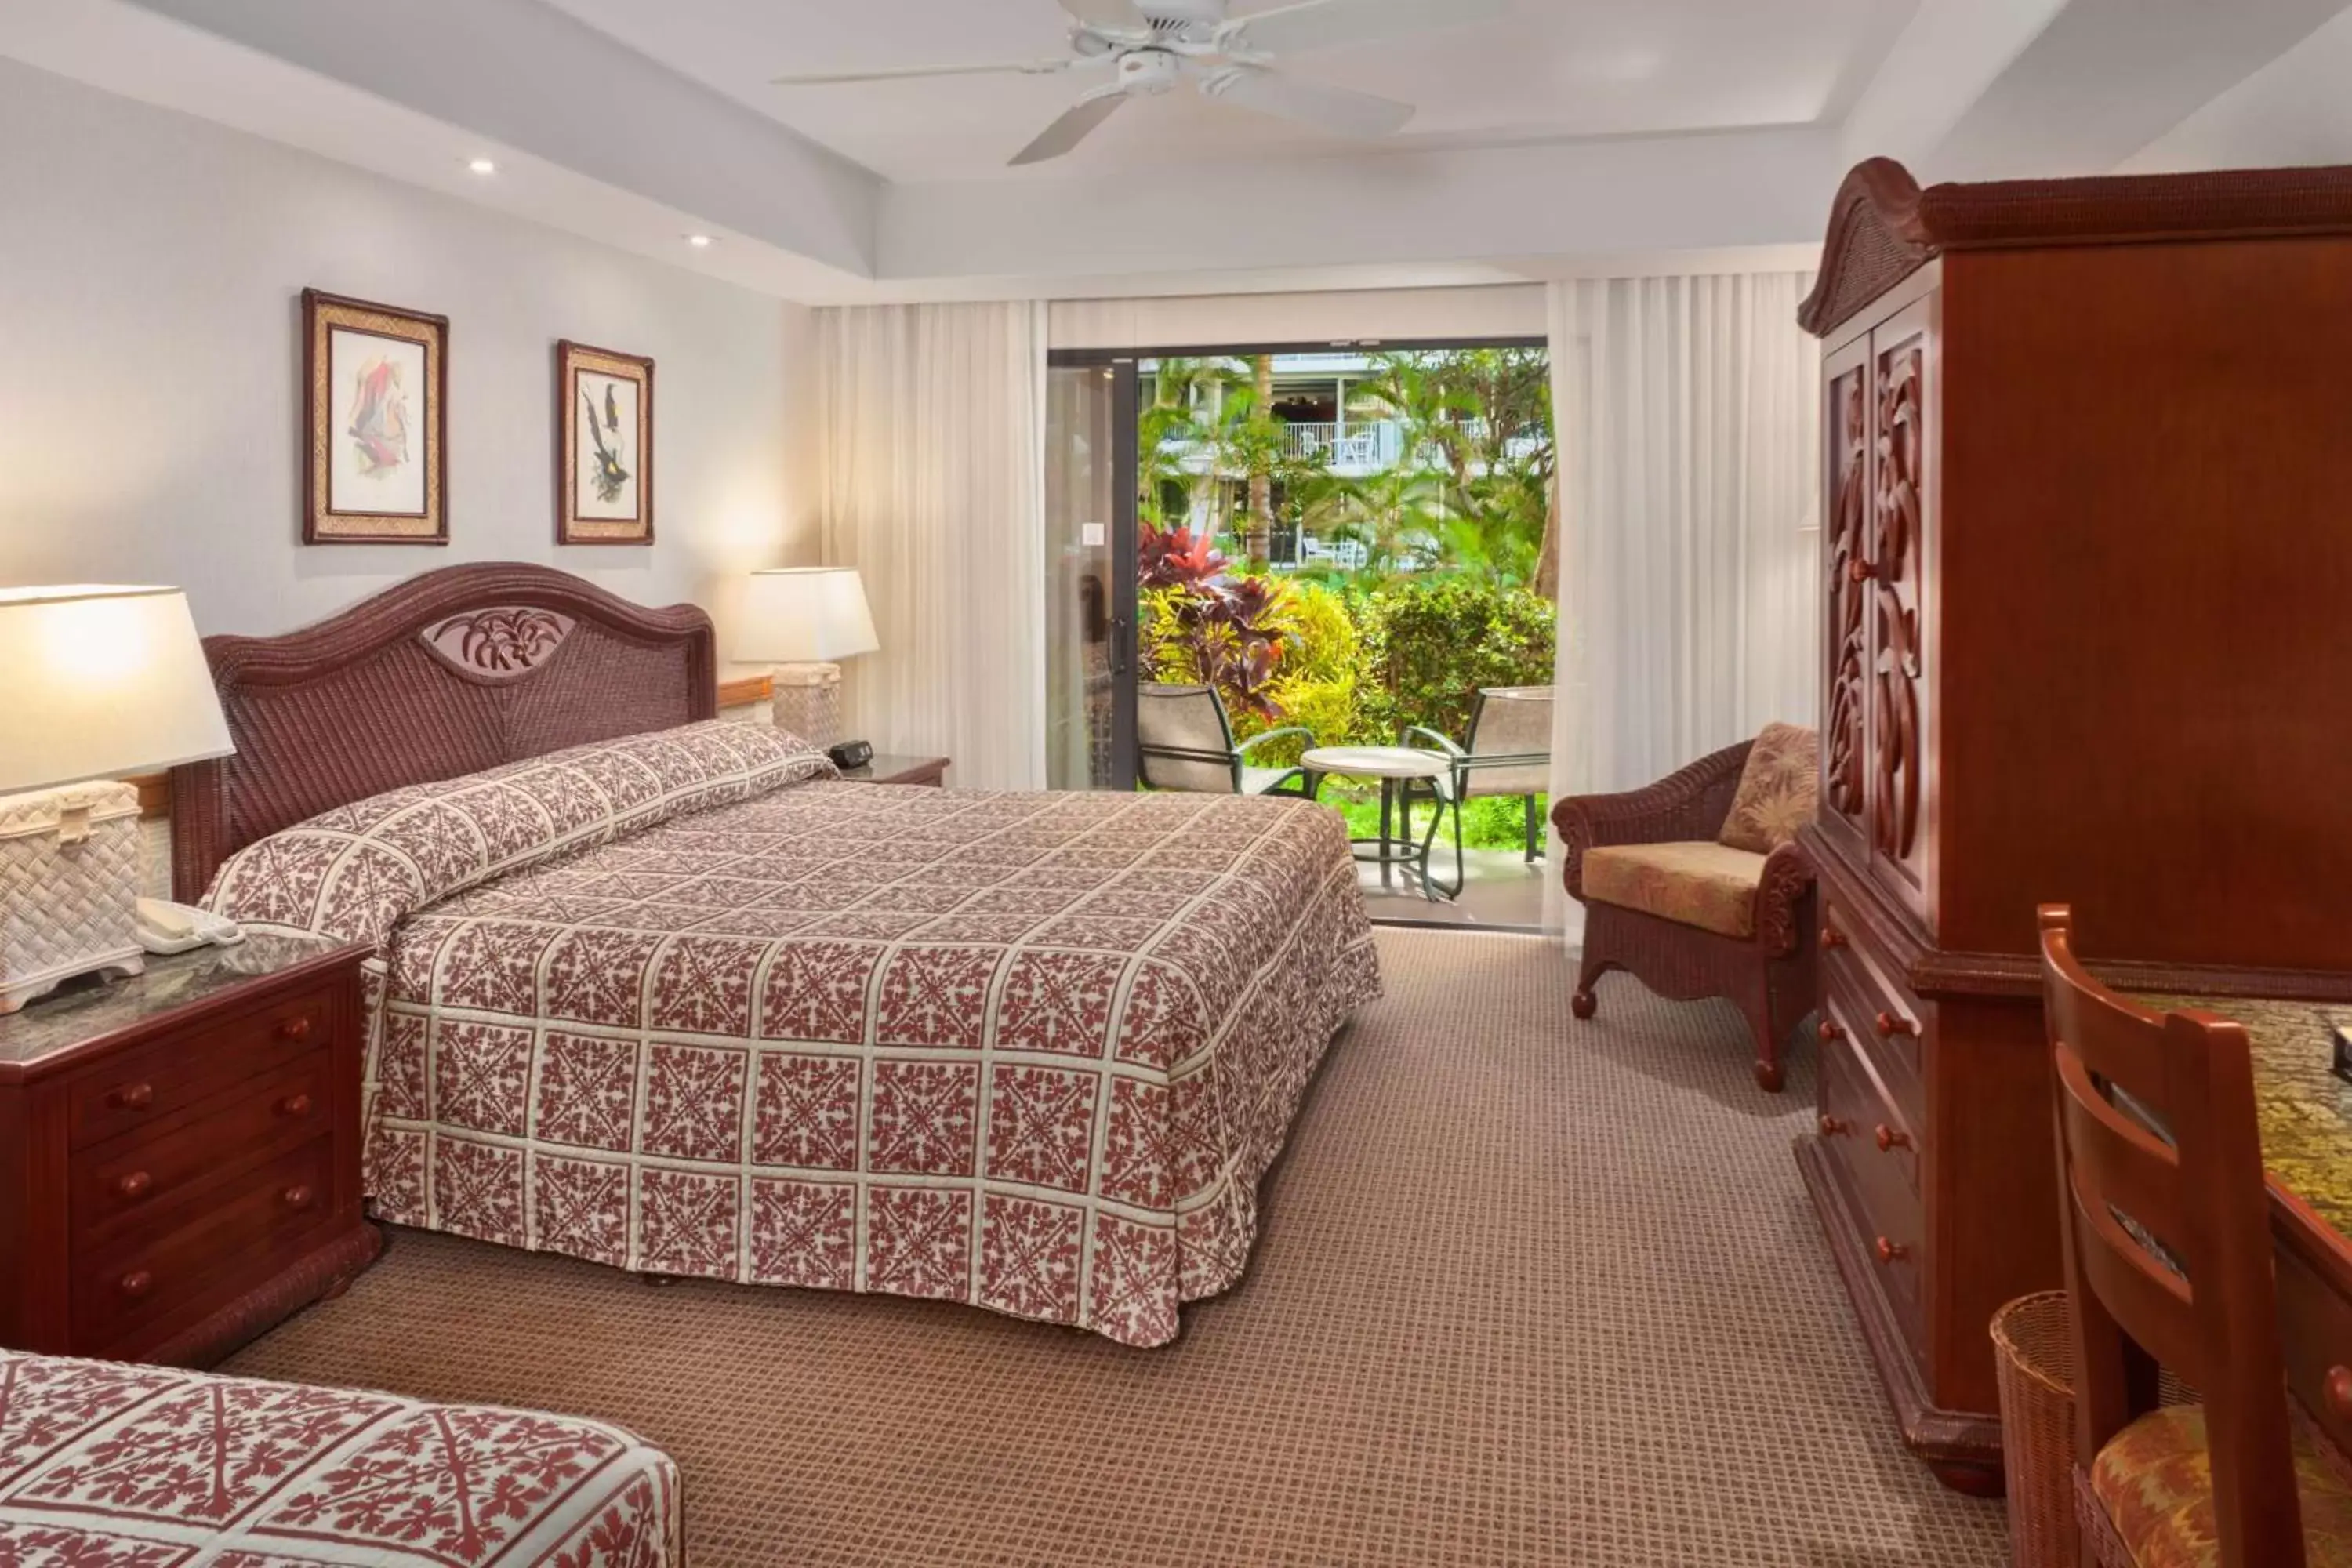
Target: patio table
(1395,767)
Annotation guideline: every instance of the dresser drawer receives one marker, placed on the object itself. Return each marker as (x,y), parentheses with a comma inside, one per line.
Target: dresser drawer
(117,1183)
(1879,1014)
(141,1088)
(190,1258)
(1872,1147)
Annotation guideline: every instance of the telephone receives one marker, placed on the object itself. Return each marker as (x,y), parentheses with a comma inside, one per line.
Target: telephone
(167,928)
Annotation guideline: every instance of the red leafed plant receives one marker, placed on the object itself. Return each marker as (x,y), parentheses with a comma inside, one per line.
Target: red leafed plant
(1205,624)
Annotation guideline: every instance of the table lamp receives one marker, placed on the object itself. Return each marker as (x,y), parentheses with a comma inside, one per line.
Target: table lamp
(101,681)
(802,619)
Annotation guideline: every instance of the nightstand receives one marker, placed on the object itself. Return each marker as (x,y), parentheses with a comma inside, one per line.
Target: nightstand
(890,770)
(180,1153)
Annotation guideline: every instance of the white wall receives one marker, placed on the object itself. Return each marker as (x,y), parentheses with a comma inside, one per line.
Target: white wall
(150,269)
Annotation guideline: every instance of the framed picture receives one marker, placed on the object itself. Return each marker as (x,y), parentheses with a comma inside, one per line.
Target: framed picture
(604,459)
(375,383)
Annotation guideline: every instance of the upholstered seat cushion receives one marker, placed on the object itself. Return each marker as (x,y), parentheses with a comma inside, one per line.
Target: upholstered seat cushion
(1711,886)
(2155,1482)
(1777,788)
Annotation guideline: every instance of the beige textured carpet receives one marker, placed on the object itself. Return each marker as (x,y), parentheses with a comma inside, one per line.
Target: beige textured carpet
(1528,1290)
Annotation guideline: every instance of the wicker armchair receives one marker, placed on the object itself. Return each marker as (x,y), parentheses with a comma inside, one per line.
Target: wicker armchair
(1768,972)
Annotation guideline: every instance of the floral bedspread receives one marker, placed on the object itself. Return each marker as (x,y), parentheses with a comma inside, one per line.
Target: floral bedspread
(745,1022)
(106,1466)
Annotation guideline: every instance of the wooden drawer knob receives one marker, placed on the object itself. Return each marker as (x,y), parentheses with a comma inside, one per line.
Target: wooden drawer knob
(1830,1030)
(1832,1128)
(2337,1388)
(1859,571)
(297,1028)
(138,1282)
(294,1105)
(134,1096)
(1890,1026)
(133,1184)
(1831,938)
(1889,1251)
(296,1196)
(1889,1140)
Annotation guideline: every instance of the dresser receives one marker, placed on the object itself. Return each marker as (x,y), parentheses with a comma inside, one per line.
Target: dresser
(180,1153)
(2085,553)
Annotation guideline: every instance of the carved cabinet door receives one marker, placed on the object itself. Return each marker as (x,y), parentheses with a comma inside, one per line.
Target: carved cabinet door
(1846,427)
(1897,601)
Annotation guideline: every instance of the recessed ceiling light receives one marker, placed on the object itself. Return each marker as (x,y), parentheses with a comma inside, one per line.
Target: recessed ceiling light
(481,165)
(700,241)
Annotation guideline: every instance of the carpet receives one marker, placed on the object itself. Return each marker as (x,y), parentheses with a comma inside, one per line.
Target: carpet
(1526,1290)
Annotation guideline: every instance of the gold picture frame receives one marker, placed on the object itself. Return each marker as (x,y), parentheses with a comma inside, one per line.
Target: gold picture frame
(605,453)
(375,420)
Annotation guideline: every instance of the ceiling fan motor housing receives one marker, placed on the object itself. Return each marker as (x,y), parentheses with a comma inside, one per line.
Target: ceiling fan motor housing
(1147,72)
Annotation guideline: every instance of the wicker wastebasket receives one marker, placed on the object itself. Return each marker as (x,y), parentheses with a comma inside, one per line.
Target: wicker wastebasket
(2034,1360)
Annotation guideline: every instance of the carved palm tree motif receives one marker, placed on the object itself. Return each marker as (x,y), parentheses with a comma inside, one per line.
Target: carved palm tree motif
(1841,759)
(1896,569)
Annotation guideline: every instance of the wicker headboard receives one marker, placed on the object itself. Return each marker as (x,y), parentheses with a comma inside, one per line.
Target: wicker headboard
(448,673)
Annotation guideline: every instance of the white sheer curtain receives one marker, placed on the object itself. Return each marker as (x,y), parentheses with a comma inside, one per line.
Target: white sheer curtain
(1689,415)
(934,485)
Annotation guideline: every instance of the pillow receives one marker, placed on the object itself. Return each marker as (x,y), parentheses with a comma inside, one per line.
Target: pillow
(357,871)
(1775,790)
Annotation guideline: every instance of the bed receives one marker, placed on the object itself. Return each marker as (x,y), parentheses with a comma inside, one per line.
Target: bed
(664,993)
(108,1466)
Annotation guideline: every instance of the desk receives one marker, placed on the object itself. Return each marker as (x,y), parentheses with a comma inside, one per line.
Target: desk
(2305,1112)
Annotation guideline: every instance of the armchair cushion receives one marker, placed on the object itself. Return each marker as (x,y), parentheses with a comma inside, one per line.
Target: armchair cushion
(2155,1480)
(1775,790)
(1711,886)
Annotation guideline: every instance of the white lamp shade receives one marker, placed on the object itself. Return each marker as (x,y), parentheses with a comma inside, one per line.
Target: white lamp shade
(96,682)
(810,615)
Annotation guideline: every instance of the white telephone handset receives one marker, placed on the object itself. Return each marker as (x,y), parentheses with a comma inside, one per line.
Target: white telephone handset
(167,928)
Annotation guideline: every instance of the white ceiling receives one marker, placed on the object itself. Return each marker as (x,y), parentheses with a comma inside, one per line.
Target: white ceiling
(1554,69)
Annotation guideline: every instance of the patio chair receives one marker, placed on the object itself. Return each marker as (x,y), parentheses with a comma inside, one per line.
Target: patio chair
(1507,752)
(1184,741)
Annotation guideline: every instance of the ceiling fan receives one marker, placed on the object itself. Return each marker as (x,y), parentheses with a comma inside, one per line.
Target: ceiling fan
(1154,45)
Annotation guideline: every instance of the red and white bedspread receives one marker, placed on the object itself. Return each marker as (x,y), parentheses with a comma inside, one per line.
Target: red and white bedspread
(106,1466)
(688,1004)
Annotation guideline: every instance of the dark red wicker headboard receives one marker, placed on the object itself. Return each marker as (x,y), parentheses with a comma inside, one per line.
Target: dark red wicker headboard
(448,673)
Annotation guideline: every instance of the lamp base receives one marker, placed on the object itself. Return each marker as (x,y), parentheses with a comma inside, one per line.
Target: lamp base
(807,702)
(68,887)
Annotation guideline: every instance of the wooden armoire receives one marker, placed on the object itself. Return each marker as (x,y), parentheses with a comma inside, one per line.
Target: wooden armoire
(2086,637)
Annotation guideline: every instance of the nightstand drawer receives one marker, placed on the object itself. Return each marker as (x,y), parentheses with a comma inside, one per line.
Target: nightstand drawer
(142,1174)
(190,1257)
(141,1088)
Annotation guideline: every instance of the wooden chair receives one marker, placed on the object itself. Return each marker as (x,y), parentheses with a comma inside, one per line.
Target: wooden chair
(2165,1226)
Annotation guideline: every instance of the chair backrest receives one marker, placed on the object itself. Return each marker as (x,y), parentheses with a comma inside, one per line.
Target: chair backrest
(2167,1232)
(1510,722)
(1184,741)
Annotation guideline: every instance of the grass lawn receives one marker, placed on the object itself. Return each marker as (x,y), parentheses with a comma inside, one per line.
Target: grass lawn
(1489,824)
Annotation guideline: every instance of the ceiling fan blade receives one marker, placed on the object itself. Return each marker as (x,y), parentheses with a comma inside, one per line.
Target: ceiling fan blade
(1115,14)
(1076,124)
(1341,111)
(903,73)
(1326,23)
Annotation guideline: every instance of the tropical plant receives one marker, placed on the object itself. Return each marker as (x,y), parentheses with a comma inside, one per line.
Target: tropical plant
(1202,622)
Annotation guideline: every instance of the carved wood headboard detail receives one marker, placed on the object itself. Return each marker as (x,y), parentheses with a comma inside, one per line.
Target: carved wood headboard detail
(448,673)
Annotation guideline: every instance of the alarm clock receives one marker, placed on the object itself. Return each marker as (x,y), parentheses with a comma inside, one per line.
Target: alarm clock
(851,755)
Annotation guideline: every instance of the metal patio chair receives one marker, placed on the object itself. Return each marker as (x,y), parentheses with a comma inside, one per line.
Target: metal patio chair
(1185,741)
(1506,751)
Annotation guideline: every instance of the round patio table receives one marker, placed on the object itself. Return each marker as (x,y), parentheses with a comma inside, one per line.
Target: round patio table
(1395,767)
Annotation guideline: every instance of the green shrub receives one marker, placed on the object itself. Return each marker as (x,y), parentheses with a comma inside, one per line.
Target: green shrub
(1427,646)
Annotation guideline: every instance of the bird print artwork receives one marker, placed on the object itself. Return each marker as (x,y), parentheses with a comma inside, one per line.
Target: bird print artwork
(612,409)
(607,472)
(379,426)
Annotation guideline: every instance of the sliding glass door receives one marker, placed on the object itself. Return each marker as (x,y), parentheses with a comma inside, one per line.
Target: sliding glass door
(1090,574)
